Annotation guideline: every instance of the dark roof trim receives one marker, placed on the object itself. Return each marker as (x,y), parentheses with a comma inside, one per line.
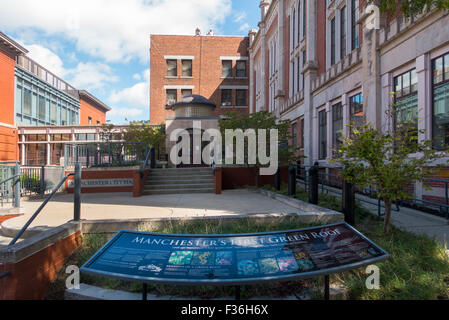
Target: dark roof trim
(86,95)
(10,45)
(192,100)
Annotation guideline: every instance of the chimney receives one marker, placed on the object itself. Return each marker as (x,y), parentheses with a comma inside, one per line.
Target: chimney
(264,5)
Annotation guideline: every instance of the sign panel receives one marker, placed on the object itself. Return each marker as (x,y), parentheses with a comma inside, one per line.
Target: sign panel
(99,183)
(233,259)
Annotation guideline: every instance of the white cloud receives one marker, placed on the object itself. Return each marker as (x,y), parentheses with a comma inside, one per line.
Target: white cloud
(48,59)
(113,30)
(240,16)
(91,75)
(135,96)
(244,27)
(125,112)
(137,77)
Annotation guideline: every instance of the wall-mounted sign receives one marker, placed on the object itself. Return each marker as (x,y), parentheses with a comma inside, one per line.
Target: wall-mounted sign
(102,183)
(233,259)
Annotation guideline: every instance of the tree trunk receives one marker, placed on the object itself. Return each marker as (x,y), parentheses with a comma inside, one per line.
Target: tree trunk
(388,205)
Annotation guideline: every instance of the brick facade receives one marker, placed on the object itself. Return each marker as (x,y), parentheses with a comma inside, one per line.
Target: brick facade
(206,53)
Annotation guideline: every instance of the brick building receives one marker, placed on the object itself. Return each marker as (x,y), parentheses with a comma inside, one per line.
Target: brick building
(215,67)
(32,96)
(326,64)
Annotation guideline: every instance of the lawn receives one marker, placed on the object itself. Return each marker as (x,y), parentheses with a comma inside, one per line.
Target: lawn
(418,268)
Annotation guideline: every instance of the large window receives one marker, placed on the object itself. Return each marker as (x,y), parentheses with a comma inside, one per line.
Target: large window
(186,68)
(322,124)
(343,32)
(41,108)
(337,125)
(172,96)
(294,134)
(302,133)
(356,112)
(333,41)
(406,100)
(226,69)
(240,98)
(354,25)
(241,69)
(226,97)
(440,68)
(27,102)
(186,92)
(172,68)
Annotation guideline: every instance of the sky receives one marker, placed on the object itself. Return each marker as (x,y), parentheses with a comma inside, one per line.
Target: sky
(103,45)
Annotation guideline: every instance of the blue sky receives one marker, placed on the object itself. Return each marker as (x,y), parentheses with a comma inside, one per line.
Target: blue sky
(103,45)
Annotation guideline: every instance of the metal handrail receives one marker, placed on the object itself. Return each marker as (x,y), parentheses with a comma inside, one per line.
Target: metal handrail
(25,227)
(18,175)
(145,163)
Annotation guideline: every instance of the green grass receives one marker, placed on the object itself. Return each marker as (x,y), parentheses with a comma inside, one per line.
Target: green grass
(418,267)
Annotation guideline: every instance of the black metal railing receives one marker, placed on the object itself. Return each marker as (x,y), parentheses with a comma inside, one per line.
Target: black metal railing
(76,204)
(9,184)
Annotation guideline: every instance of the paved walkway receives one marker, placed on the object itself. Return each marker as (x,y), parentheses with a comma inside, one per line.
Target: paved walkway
(122,206)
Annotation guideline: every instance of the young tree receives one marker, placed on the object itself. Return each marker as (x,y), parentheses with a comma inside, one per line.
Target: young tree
(391,161)
(152,136)
(261,120)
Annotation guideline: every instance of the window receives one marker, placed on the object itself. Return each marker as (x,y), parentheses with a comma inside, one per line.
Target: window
(90,120)
(406,100)
(27,102)
(226,97)
(64,116)
(294,134)
(186,92)
(304,17)
(356,112)
(343,32)
(298,75)
(333,41)
(172,68)
(294,29)
(53,113)
(241,98)
(354,25)
(302,133)
(322,124)
(241,69)
(337,125)
(226,69)
(172,96)
(42,108)
(186,68)
(299,21)
(440,68)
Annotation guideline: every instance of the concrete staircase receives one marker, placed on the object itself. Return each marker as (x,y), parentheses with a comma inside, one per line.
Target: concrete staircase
(180,181)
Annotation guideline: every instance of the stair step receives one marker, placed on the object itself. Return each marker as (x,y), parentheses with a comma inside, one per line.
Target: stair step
(178,191)
(180,172)
(178,186)
(181,180)
(174,177)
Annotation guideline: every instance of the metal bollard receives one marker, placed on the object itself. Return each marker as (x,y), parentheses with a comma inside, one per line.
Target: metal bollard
(313,184)
(277,180)
(292,181)
(77,193)
(348,197)
(17,186)
(152,158)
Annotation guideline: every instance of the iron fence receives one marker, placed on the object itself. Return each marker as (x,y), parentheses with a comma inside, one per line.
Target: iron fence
(9,176)
(39,180)
(108,154)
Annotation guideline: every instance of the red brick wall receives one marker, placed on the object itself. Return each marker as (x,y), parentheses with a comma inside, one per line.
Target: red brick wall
(206,73)
(321,36)
(30,278)
(112,174)
(233,178)
(88,109)
(8,136)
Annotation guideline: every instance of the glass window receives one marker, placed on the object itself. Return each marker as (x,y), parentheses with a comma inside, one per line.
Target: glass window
(186,92)
(186,68)
(302,133)
(89,120)
(41,108)
(337,124)
(64,116)
(241,69)
(27,102)
(294,134)
(172,68)
(356,112)
(354,25)
(333,41)
(441,102)
(322,124)
(226,69)
(226,97)
(172,96)
(241,98)
(343,32)
(406,100)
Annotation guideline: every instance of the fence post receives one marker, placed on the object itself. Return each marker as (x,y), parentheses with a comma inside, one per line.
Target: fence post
(348,203)
(77,193)
(313,184)
(42,185)
(291,181)
(277,180)
(152,158)
(17,188)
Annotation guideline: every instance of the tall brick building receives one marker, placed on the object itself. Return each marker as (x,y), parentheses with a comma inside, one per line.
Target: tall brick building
(326,64)
(215,67)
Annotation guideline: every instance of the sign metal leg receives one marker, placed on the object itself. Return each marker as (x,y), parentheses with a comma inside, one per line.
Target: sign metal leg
(237,293)
(144,292)
(326,287)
